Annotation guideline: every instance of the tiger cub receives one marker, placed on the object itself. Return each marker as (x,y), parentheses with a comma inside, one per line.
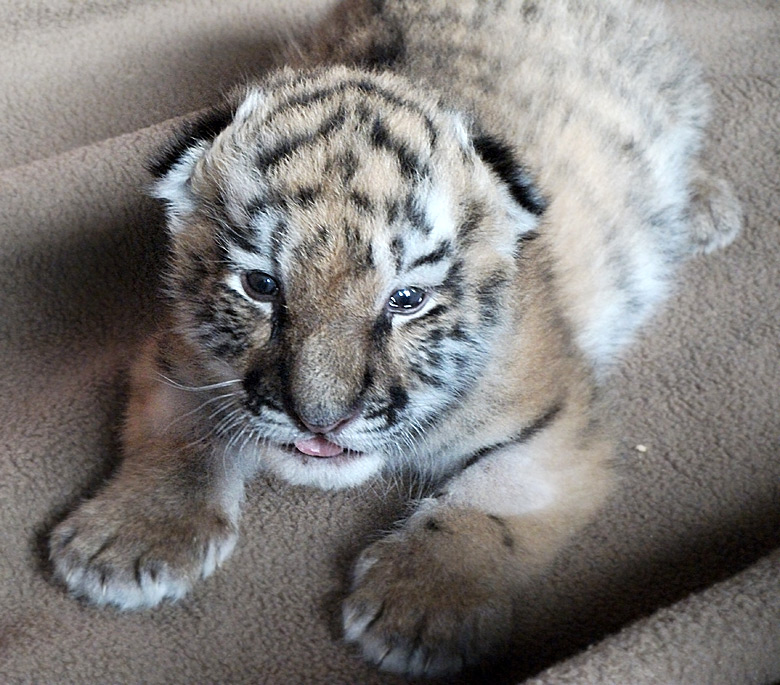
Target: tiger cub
(418,248)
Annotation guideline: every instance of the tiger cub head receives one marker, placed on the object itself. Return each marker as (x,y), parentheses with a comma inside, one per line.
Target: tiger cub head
(345,245)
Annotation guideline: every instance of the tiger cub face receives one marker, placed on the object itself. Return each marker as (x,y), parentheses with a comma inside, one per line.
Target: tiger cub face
(346,248)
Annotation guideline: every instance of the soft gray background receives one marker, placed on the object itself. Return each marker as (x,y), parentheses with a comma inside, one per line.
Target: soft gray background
(86,92)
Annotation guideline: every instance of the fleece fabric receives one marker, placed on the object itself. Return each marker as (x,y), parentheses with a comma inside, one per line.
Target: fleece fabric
(677,581)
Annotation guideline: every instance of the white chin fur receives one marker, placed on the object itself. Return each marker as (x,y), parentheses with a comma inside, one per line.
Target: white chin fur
(332,473)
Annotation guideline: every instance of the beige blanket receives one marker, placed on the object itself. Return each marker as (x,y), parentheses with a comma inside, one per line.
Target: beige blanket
(675,583)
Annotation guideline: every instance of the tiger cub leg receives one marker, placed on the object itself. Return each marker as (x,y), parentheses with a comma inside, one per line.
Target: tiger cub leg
(440,593)
(169,515)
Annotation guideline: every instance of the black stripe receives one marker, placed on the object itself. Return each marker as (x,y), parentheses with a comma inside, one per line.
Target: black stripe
(415,216)
(441,251)
(363,86)
(523,240)
(381,329)
(392,207)
(348,166)
(474,215)
(410,164)
(368,381)
(499,157)
(488,294)
(454,280)
(267,159)
(399,399)
(523,436)
(256,403)
(506,534)
(457,332)
(362,201)
(305,197)
(239,236)
(397,250)
(257,205)
(427,378)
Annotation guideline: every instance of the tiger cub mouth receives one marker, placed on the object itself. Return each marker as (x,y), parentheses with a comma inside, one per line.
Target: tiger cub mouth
(321,448)
(318,446)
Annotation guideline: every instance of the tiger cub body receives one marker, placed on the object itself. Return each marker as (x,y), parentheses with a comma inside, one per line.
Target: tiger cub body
(418,248)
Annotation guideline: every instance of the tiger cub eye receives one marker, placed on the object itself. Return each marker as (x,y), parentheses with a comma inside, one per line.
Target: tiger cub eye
(406,300)
(260,286)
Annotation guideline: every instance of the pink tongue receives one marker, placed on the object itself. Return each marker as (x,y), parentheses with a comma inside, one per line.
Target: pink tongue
(318,447)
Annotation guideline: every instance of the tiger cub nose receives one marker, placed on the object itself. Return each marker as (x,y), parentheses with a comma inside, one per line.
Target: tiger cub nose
(331,427)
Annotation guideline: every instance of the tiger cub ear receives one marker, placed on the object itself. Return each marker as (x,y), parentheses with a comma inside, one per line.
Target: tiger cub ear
(172,168)
(502,160)
(525,201)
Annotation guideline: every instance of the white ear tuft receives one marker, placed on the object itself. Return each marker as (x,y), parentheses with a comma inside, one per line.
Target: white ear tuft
(174,186)
(460,127)
(254,100)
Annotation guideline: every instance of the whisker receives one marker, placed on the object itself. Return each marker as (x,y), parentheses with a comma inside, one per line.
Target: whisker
(232,419)
(202,405)
(212,386)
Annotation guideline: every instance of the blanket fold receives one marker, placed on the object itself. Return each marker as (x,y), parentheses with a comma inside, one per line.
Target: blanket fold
(678,581)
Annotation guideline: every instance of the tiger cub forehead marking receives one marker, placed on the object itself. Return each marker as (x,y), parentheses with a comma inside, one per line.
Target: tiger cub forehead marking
(349,172)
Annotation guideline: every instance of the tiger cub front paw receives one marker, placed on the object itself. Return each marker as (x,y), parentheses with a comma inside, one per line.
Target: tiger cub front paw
(128,553)
(430,599)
